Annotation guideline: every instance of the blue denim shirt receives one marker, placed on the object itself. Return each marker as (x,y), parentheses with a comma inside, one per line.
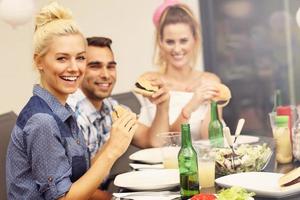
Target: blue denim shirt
(47,152)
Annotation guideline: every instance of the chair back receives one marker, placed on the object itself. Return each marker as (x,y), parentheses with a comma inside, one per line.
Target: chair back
(7,122)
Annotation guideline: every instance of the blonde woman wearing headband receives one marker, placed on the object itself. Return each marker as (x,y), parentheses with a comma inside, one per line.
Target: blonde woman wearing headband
(47,155)
(177,48)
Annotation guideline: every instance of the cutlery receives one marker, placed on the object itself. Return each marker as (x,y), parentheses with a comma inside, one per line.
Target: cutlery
(268,158)
(226,132)
(238,129)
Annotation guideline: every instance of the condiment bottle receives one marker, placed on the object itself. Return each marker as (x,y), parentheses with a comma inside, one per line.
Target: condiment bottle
(282,138)
(286,111)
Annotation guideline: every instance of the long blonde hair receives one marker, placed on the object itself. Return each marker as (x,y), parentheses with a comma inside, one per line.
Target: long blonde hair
(178,13)
(52,20)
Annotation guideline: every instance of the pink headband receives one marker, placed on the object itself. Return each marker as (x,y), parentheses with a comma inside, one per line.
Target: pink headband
(158,12)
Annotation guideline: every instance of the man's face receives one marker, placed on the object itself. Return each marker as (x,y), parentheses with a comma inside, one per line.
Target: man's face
(100,75)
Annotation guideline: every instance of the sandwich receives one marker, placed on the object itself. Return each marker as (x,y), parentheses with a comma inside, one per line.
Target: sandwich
(144,87)
(118,111)
(290,180)
(224,95)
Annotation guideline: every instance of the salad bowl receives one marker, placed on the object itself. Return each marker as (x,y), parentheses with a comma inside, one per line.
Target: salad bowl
(247,158)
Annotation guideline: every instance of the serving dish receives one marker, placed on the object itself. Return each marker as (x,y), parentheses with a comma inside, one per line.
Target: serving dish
(246,158)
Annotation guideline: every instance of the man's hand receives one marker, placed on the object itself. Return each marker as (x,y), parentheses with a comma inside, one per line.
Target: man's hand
(161,98)
(122,132)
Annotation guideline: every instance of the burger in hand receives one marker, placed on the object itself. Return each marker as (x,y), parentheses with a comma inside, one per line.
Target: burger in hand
(144,87)
(118,111)
(224,95)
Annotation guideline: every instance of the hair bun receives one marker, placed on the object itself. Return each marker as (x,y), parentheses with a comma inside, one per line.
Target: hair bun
(52,12)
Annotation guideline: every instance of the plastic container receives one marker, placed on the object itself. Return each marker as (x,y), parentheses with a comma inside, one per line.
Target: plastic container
(282,137)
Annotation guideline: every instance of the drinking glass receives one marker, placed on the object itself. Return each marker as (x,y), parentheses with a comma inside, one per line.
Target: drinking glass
(206,164)
(171,142)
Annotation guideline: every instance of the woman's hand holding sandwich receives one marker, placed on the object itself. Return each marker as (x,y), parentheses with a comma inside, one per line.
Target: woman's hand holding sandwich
(202,94)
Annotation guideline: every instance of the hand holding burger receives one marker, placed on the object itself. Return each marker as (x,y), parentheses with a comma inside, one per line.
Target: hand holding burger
(153,87)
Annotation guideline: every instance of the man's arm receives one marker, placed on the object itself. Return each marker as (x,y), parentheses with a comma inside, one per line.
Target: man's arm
(147,136)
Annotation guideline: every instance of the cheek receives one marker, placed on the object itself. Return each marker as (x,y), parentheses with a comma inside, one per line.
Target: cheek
(49,70)
(190,46)
(82,67)
(166,47)
(113,75)
(87,75)
(86,83)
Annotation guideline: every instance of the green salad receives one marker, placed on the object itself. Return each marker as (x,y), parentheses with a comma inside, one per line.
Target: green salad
(247,158)
(234,193)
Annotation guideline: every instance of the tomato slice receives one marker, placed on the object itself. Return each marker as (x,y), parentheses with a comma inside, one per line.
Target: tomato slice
(204,197)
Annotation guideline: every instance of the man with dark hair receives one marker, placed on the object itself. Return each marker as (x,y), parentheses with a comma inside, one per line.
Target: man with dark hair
(93,105)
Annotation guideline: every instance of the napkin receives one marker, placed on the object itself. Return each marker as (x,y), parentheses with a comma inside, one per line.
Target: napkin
(137,166)
(165,195)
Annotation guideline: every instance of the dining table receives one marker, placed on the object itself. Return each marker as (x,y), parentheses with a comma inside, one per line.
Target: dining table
(272,166)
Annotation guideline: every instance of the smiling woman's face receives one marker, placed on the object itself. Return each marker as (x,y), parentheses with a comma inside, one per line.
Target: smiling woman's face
(63,66)
(178,44)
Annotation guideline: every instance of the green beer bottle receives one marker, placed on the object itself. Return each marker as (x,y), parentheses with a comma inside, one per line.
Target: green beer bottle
(188,165)
(215,128)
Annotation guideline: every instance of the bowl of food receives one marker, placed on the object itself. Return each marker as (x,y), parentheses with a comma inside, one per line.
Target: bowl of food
(244,158)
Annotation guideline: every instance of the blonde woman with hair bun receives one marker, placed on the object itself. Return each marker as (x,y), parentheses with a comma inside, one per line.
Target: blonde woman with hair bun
(177,44)
(47,157)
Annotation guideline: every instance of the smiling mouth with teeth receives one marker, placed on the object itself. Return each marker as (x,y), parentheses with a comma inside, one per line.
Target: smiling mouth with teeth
(69,78)
(105,85)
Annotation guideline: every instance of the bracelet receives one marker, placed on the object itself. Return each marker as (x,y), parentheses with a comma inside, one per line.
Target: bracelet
(185,115)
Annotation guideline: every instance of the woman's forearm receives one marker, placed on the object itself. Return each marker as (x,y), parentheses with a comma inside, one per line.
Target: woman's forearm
(85,187)
(160,124)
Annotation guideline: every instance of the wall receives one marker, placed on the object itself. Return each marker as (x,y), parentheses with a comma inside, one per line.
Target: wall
(127,22)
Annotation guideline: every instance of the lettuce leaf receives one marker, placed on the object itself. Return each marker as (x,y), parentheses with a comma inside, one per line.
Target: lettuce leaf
(234,193)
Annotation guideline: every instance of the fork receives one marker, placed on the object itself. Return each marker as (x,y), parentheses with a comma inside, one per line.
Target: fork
(226,132)
(238,129)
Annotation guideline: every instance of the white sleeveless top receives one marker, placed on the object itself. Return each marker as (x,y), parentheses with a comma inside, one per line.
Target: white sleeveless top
(178,100)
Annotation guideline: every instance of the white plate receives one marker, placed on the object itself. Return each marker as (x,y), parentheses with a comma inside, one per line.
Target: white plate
(262,183)
(242,139)
(148,179)
(151,156)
